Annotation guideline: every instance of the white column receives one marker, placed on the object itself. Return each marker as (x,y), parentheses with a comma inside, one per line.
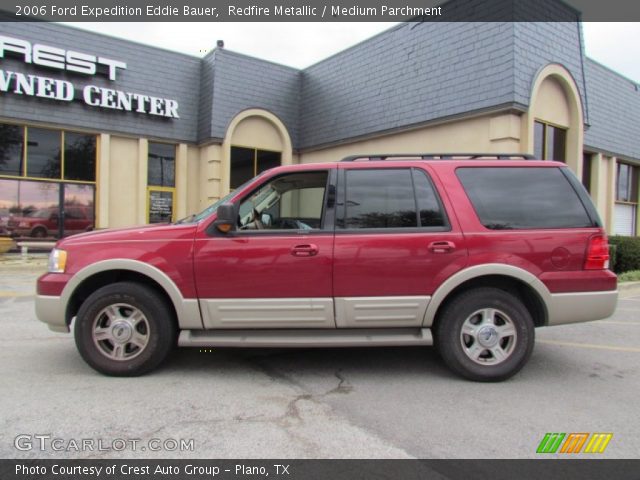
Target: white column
(143,159)
(102,181)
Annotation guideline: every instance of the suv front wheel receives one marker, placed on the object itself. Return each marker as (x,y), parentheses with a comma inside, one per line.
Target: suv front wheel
(485,334)
(125,329)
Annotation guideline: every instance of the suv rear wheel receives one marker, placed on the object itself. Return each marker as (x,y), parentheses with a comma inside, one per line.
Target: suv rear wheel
(485,334)
(124,329)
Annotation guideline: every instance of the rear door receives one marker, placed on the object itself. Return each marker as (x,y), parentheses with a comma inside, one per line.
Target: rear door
(396,240)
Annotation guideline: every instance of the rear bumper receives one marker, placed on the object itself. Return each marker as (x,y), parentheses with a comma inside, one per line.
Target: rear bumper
(50,310)
(581,306)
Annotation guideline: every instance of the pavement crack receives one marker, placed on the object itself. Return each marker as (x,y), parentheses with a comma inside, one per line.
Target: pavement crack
(343,385)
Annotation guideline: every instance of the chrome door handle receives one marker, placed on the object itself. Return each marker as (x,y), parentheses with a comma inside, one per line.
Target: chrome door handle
(305,250)
(442,247)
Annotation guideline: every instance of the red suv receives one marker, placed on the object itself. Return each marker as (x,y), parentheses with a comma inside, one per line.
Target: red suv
(45,222)
(470,252)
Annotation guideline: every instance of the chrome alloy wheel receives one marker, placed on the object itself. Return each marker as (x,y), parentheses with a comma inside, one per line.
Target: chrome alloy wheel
(120,331)
(488,336)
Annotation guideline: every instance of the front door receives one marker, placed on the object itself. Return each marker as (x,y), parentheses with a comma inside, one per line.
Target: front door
(275,269)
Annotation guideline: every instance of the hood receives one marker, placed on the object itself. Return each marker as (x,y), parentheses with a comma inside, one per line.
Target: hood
(164,231)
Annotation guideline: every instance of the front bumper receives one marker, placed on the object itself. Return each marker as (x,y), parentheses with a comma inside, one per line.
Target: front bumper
(50,310)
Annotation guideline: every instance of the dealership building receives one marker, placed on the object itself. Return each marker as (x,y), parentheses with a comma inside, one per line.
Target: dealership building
(112,133)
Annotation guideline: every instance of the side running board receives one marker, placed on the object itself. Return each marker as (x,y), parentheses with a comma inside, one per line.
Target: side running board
(355,337)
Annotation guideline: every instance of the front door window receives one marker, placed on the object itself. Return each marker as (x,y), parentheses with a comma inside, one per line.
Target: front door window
(289,202)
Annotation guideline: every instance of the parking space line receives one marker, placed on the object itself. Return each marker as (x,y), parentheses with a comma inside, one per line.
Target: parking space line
(9,294)
(590,345)
(614,322)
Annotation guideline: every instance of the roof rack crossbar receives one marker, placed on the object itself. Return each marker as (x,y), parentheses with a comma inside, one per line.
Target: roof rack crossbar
(440,156)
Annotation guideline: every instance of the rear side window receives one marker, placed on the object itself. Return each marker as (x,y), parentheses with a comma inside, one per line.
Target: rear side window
(390,198)
(520,198)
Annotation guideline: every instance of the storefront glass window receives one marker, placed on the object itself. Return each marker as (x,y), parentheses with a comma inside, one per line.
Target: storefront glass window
(47,200)
(626,199)
(161,167)
(538,140)
(626,184)
(549,142)
(45,209)
(79,157)
(43,153)
(246,163)
(587,163)
(11,142)
(242,168)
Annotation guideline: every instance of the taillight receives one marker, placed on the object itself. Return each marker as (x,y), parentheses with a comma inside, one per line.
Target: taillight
(597,253)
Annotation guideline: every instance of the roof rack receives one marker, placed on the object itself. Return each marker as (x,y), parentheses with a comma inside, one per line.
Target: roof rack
(439,156)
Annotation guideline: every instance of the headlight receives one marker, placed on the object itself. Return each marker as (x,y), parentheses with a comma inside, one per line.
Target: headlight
(23,225)
(57,261)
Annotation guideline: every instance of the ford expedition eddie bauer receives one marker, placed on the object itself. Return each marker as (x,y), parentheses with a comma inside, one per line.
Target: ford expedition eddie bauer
(469,252)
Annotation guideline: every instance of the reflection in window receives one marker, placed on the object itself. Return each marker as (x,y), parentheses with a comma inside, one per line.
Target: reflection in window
(380,199)
(161,167)
(11,141)
(31,209)
(43,153)
(79,157)
(431,214)
(627,183)
(537,198)
(549,142)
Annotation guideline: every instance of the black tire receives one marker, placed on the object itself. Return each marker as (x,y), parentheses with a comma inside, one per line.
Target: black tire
(39,232)
(485,353)
(115,311)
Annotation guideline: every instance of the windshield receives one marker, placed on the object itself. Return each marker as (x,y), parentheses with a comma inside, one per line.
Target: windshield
(214,206)
(39,214)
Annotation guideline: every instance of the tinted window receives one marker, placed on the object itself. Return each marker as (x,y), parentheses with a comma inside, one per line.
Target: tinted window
(11,138)
(512,197)
(79,156)
(43,153)
(431,214)
(380,199)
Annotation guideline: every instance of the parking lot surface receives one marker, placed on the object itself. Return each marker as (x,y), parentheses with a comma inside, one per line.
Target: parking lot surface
(311,403)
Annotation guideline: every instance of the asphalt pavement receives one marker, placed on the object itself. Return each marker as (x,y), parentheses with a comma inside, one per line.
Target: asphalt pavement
(311,403)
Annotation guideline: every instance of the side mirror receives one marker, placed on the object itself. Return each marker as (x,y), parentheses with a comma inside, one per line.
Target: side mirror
(226,218)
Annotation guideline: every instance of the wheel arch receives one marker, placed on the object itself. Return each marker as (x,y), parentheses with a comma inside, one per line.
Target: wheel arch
(99,274)
(522,283)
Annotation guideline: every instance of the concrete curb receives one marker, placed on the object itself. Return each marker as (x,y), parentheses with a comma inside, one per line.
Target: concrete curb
(17,261)
(628,285)
(629,289)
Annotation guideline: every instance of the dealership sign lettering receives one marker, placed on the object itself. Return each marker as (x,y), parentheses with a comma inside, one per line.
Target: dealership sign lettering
(63,90)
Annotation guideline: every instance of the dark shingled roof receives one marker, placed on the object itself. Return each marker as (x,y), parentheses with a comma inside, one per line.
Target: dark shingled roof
(410,75)
(614,106)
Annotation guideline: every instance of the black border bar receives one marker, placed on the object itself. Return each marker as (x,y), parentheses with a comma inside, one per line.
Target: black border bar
(583,469)
(321,10)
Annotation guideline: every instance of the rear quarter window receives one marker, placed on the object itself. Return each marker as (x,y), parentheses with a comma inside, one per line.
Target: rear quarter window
(507,198)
